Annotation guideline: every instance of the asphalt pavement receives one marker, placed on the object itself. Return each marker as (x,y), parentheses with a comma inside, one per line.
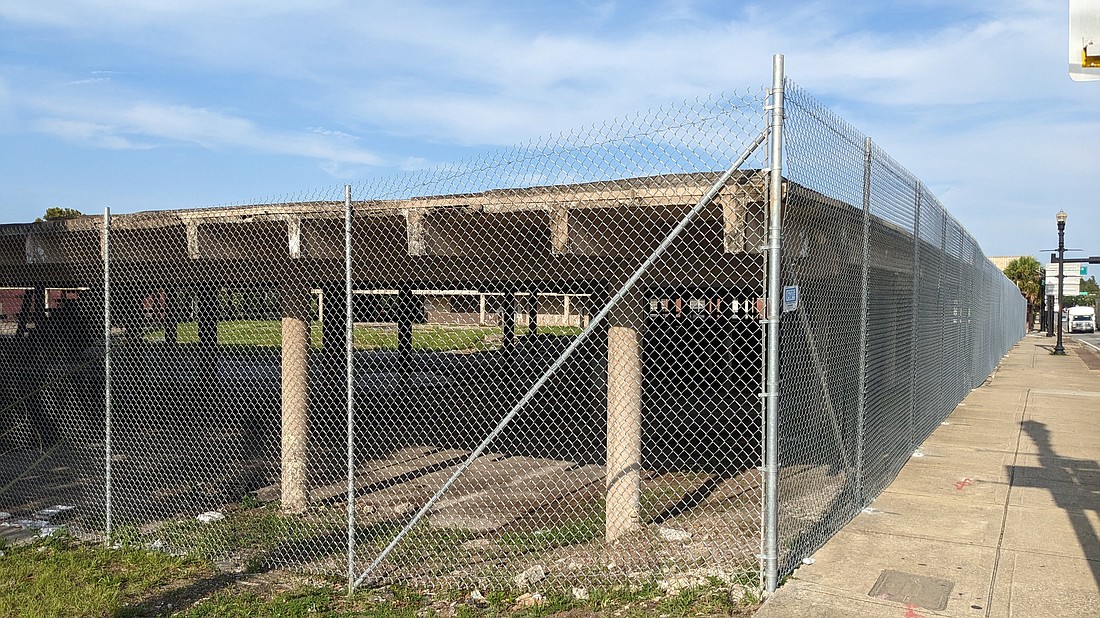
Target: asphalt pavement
(998,515)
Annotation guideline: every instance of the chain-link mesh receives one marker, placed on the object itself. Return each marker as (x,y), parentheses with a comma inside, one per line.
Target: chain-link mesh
(52,384)
(899,316)
(227,432)
(638,455)
(546,362)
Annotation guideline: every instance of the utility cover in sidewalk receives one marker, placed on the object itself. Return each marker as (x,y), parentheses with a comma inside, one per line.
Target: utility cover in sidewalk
(926,592)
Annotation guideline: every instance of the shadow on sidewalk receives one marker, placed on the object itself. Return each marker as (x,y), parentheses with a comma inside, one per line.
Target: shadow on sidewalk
(1073,483)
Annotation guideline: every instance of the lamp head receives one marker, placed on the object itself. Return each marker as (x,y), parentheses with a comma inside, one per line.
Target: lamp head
(1061,216)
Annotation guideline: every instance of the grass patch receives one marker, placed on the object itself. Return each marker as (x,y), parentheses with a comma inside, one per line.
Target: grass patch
(268,334)
(588,527)
(58,577)
(431,548)
(300,602)
(251,534)
(714,598)
(246,333)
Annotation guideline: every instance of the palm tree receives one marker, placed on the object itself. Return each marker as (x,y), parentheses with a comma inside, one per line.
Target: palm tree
(1026,273)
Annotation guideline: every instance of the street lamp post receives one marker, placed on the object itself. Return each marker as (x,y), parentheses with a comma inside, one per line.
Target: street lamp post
(1061,216)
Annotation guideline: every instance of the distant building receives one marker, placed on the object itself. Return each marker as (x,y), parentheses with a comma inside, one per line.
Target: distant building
(1002,261)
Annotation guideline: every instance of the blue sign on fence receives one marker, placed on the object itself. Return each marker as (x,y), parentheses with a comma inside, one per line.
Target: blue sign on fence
(790,298)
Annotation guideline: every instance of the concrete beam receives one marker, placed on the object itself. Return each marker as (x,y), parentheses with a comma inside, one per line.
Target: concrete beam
(559,229)
(626,326)
(61,246)
(744,207)
(295,398)
(416,232)
(191,230)
(294,237)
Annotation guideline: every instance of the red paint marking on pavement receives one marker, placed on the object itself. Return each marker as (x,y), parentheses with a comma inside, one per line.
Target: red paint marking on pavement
(911,612)
(963,483)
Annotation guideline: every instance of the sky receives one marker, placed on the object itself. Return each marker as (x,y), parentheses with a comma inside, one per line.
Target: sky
(143,105)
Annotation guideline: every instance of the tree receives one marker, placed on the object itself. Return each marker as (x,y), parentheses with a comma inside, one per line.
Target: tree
(1025,271)
(1092,290)
(55,213)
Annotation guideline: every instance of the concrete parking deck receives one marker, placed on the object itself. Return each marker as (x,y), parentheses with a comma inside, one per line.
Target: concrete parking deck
(997,515)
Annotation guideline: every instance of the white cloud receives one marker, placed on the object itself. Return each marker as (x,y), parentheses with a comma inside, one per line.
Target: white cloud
(971,98)
(87,81)
(413,164)
(99,135)
(111,124)
(135,13)
(331,133)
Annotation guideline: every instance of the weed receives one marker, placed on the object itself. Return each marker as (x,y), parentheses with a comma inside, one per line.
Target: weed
(498,599)
(465,611)
(406,595)
(680,604)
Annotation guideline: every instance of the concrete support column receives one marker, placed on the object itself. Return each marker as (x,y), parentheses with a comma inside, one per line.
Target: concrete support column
(333,311)
(206,314)
(565,311)
(481,319)
(125,309)
(508,319)
(295,398)
(27,311)
(626,325)
(533,313)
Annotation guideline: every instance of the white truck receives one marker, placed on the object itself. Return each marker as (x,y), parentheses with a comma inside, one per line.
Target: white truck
(1081,319)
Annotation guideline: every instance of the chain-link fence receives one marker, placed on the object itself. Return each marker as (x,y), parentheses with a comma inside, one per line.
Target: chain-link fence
(548,362)
(900,315)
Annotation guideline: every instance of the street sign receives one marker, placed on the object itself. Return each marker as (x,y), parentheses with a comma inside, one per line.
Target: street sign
(1084,270)
(1084,40)
(1071,283)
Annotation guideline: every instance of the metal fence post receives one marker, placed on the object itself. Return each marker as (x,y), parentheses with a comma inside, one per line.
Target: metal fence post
(775,297)
(916,316)
(861,393)
(106,242)
(940,300)
(349,347)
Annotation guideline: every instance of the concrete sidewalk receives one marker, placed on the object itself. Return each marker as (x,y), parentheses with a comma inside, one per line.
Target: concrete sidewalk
(1001,513)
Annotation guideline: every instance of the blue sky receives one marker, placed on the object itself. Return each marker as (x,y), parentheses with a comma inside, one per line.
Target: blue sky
(187,103)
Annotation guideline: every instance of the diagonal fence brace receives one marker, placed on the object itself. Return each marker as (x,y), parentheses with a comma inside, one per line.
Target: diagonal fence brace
(593,324)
